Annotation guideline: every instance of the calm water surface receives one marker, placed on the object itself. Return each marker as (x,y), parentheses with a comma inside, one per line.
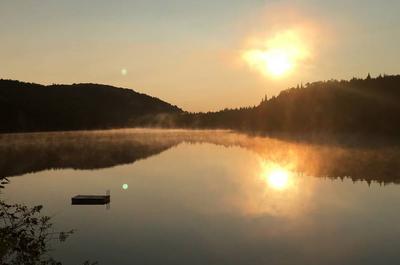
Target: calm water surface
(209,197)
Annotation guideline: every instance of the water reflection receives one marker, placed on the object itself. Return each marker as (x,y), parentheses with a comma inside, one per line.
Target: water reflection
(25,153)
(26,235)
(277,177)
(212,198)
(283,192)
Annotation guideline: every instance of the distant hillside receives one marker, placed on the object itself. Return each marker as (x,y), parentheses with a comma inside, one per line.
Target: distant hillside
(369,106)
(34,107)
(359,106)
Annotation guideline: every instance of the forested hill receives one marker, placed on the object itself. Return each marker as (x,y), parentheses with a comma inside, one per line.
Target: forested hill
(361,106)
(34,107)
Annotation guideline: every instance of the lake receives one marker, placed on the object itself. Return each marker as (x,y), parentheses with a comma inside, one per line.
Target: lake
(209,197)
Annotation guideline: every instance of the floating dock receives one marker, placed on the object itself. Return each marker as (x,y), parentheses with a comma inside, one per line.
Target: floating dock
(90,200)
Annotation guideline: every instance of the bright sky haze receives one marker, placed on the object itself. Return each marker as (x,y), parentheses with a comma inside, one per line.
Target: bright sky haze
(200,55)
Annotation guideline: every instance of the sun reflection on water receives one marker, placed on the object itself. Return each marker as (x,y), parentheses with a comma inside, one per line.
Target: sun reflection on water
(277,177)
(281,190)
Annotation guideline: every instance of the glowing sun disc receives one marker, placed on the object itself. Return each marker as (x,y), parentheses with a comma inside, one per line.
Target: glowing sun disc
(277,56)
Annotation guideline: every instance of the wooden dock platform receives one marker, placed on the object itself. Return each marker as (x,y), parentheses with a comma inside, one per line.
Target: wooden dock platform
(90,199)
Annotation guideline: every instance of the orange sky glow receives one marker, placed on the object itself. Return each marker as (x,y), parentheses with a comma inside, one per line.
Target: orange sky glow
(201,56)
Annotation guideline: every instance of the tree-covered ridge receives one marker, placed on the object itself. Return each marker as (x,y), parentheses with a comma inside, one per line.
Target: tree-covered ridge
(366,106)
(34,107)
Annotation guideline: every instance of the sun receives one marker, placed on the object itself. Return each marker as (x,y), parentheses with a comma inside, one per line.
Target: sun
(277,56)
(276,62)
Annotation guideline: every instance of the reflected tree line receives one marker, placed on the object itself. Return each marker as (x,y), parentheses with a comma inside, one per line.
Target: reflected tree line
(26,234)
(26,153)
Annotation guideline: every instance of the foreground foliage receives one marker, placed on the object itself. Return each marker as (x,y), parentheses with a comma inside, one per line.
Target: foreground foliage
(26,235)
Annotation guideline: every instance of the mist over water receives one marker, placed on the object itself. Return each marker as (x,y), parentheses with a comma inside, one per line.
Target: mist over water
(101,149)
(209,197)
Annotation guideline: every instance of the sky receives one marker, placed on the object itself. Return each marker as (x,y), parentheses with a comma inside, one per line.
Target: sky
(191,53)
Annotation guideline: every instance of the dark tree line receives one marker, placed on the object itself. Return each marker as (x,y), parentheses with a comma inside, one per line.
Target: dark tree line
(368,106)
(33,107)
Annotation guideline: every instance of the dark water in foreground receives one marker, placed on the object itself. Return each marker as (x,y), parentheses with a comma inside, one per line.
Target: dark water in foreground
(209,197)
